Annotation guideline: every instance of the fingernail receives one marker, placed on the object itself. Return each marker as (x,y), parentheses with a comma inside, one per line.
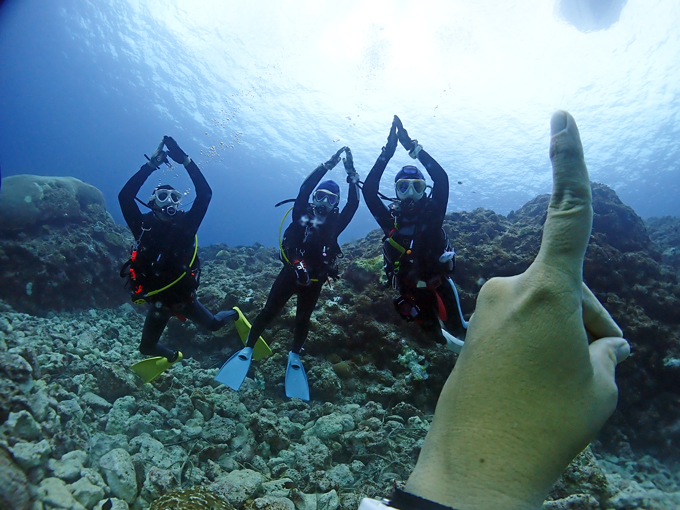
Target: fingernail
(623,351)
(558,122)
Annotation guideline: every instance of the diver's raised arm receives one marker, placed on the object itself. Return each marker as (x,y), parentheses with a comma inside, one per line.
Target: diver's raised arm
(126,197)
(310,183)
(353,196)
(440,179)
(203,191)
(372,182)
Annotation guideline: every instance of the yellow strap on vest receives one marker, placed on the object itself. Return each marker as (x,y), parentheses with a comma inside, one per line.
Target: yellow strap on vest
(396,245)
(280,228)
(154,292)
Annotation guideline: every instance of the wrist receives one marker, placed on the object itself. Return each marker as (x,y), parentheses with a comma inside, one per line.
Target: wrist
(415,150)
(187,161)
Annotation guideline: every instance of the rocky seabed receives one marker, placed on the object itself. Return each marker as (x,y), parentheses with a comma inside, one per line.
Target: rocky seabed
(83,431)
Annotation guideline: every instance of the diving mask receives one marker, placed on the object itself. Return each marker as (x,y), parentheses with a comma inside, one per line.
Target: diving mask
(324,201)
(410,189)
(167,200)
(321,195)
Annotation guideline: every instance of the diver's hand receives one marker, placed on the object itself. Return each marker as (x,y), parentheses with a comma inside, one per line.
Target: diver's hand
(158,157)
(174,151)
(528,393)
(411,146)
(391,145)
(348,161)
(404,139)
(335,159)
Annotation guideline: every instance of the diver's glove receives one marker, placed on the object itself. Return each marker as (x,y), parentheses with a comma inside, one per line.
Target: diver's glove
(391,146)
(177,154)
(411,146)
(348,161)
(330,164)
(157,158)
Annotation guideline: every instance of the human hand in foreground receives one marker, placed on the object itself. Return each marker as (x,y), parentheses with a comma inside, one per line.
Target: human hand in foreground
(528,393)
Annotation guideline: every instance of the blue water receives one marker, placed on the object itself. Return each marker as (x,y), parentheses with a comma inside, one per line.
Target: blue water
(259,93)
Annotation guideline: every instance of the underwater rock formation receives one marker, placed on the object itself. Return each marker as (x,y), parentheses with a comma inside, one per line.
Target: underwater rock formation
(357,336)
(59,247)
(665,232)
(68,400)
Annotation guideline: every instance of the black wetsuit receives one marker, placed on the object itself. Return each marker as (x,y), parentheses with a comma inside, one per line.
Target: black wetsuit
(317,245)
(164,251)
(418,241)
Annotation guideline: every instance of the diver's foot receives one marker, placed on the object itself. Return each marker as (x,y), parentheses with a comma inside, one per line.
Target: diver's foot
(224,315)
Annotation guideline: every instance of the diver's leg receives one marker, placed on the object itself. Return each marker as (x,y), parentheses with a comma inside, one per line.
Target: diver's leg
(428,315)
(155,323)
(280,293)
(200,315)
(307,298)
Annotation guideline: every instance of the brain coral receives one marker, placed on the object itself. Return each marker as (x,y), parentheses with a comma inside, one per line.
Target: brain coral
(196,498)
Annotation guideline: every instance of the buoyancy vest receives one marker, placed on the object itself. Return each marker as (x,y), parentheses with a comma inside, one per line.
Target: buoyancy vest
(314,243)
(415,243)
(162,267)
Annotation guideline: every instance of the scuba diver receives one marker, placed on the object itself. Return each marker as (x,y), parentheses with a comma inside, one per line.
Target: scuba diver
(309,253)
(418,257)
(164,270)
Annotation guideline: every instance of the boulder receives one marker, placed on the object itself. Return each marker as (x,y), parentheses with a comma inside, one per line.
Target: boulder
(120,474)
(14,491)
(61,248)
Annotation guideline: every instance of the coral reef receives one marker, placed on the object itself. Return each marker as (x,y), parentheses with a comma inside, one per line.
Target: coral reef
(59,247)
(665,233)
(78,429)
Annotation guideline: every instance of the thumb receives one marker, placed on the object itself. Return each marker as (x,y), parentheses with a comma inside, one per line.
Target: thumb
(605,354)
(596,318)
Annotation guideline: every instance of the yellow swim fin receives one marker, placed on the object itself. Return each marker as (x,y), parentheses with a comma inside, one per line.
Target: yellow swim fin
(150,368)
(261,348)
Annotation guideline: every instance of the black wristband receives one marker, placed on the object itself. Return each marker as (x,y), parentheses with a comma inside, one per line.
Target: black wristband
(405,501)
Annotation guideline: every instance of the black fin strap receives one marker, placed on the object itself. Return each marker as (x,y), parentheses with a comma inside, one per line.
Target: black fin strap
(404,501)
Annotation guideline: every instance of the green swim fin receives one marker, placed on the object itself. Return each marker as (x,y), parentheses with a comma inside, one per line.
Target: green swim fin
(296,378)
(261,348)
(150,368)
